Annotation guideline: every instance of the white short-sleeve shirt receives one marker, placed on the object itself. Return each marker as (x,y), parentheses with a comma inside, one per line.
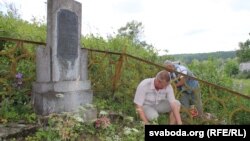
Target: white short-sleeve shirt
(146,94)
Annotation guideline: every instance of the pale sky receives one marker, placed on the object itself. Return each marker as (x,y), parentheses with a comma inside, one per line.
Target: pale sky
(179,26)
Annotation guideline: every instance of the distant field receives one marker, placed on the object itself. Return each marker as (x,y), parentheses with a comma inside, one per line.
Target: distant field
(242,86)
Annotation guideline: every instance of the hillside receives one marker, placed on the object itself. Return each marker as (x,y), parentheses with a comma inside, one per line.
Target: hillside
(187,58)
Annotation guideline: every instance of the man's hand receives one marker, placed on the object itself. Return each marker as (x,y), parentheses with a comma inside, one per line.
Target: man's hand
(141,113)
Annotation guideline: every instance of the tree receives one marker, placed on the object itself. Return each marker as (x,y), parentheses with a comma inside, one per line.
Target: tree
(231,67)
(12,10)
(12,26)
(244,52)
(134,31)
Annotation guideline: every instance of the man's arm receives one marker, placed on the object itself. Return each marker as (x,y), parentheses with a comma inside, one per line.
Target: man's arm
(176,112)
(139,100)
(181,82)
(181,78)
(175,106)
(141,113)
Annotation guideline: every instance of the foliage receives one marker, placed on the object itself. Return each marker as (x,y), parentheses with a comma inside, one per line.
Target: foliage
(17,66)
(241,117)
(242,85)
(188,58)
(244,52)
(14,27)
(215,101)
(16,104)
(132,30)
(113,90)
(211,71)
(122,44)
(66,127)
(243,75)
(60,127)
(231,67)
(103,67)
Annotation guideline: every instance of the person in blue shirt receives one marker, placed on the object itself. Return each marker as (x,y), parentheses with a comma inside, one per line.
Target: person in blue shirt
(189,87)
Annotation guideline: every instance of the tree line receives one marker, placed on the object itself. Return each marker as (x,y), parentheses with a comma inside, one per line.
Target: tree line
(188,58)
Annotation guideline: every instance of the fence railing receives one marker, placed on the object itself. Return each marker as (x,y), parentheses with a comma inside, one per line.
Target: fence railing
(114,77)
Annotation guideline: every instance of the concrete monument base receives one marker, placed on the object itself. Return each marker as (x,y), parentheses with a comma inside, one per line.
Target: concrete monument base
(63,96)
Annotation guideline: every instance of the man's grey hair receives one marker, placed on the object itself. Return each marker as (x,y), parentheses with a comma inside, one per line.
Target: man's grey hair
(163,76)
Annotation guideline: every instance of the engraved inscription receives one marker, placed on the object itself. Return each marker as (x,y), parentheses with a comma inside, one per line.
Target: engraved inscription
(67,42)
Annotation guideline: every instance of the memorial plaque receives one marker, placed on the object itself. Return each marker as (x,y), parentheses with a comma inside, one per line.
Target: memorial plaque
(67,41)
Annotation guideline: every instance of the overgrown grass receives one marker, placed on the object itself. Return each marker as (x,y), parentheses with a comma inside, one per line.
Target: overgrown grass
(68,126)
(242,86)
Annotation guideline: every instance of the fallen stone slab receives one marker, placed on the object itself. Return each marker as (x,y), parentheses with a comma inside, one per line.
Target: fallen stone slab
(16,130)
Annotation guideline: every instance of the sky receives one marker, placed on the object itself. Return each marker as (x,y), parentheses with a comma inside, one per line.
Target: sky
(179,26)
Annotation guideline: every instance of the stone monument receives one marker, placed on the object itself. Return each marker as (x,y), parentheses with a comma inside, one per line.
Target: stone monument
(61,83)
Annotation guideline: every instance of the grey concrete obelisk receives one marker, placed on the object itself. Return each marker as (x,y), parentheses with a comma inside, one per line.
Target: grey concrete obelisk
(61,68)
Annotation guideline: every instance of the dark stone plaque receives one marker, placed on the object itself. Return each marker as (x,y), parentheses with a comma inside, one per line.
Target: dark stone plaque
(67,29)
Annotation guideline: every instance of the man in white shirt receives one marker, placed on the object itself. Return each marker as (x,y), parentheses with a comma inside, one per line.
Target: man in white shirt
(156,95)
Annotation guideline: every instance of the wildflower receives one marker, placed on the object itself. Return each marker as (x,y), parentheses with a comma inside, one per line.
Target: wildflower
(18,82)
(193,111)
(19,75)
(102,122)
